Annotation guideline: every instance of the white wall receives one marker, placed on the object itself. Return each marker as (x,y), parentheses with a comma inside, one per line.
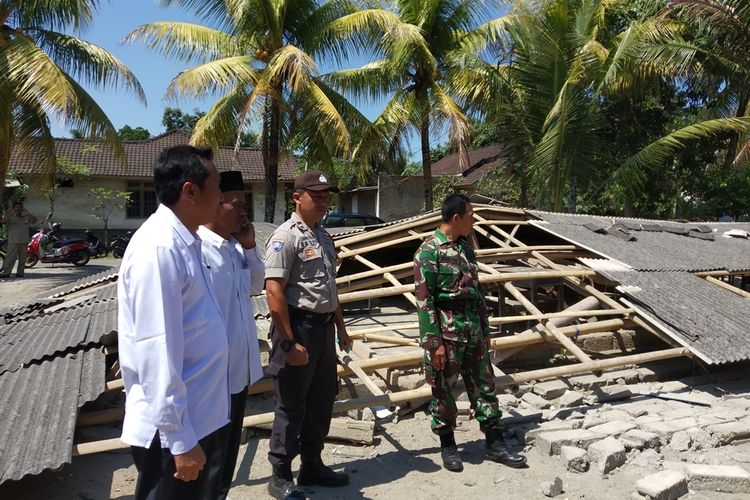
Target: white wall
(259,202)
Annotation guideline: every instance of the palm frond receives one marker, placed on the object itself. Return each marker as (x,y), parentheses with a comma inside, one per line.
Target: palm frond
(220,75)
(185,42)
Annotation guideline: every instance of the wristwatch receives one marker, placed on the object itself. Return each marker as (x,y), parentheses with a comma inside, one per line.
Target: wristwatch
(286,345)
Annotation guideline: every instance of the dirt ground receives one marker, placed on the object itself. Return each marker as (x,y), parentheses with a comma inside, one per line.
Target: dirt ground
(404,460)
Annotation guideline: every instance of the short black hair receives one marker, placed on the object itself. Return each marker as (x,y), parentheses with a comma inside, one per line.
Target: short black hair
(176,166)
(454,204)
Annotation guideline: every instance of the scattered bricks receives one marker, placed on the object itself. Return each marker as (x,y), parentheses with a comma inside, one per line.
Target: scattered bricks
(663,429)
(591,420)
(649,418)
(648,459)
(556,425)
(608,454)
(551,442)
(664,485)
(646,374)
(536,401)
(706,420)
(563,414)
(700,439)
(613,415)
(589,382)
(722,478)
(679,413)
(552,488)
(728,414)
(637,439)
(575,459)
(740,403)
(611,393)
(570,398)
(613,428)
(521,416)
(729,431)
(506,400)
(550,389)
(680,441)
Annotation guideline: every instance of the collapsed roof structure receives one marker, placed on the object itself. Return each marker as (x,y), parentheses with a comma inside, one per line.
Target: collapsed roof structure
(550,279)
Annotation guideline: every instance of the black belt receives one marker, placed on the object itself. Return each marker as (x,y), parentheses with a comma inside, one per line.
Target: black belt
(310,315)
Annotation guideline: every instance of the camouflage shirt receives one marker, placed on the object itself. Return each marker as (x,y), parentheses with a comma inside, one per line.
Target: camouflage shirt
(450,301)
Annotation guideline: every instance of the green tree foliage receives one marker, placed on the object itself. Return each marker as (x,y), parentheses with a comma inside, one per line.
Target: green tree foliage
(128,133)
(105,202)
(42,69)
(176,119)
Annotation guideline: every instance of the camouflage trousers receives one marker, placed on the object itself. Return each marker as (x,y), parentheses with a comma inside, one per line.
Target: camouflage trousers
(472,362)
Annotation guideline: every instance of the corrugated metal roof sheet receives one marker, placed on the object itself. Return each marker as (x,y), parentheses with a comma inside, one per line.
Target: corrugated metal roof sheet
(28,308)
(36,433)
(26,342)
(655,250)
(710,320)
(83,283)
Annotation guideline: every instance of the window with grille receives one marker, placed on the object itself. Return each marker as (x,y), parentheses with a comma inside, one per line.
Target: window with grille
(142,200)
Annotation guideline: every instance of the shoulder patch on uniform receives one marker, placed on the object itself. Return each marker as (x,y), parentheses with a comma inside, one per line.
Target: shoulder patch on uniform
(277,245)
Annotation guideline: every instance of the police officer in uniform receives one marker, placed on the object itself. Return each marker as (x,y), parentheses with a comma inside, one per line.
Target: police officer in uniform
(301,291)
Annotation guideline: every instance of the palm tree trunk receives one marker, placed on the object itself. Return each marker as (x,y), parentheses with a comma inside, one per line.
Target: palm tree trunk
(424,130)
(271,158)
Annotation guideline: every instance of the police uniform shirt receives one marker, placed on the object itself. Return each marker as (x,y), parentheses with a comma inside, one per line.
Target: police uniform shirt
(306,259)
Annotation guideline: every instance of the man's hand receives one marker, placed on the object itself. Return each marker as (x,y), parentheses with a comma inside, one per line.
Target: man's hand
(189,464)
(297,355)
(437,358)
(345,341)
(246,235)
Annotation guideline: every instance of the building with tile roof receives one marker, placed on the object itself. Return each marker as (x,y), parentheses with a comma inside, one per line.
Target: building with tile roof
(73,206)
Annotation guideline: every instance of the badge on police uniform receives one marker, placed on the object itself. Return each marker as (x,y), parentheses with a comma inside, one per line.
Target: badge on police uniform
(309,253)
(277,245)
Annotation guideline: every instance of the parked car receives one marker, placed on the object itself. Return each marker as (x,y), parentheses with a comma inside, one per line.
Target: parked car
(350,220)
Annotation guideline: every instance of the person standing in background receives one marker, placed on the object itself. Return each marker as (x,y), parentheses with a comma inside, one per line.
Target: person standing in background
(17,221)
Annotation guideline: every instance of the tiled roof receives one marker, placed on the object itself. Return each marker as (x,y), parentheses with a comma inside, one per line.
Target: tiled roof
(706,318)
(40,408)
(449,165)
(655,250)
(141,155)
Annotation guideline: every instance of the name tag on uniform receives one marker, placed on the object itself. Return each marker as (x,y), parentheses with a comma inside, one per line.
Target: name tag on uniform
(310,253)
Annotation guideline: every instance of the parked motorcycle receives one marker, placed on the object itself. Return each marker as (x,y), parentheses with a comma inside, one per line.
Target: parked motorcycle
(49,248)
(98,249)
(119,244)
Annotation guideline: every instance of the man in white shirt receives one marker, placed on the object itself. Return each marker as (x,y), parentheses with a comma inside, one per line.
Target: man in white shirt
(236,272)
(173,345)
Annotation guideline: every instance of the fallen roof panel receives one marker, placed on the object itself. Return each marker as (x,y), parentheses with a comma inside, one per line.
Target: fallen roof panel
(704,317)
(37,432)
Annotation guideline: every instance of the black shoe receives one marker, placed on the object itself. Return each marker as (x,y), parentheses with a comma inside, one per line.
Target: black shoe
(498,452)
(451,459)
(314,472)
(281,486)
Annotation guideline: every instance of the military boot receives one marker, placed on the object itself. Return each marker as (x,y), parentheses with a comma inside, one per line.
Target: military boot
(449,452)
(314,472)
(498,452)
(281,486)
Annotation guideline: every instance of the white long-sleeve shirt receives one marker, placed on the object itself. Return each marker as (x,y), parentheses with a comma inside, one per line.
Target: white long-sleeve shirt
(236,274)
(172,341)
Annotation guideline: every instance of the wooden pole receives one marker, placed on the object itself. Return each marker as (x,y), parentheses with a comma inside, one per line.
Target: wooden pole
(728,287)
(388,276)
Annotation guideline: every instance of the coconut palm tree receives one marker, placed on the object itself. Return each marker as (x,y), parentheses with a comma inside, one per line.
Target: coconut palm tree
(258,58)
(41,68)
(413,42)
(552,69)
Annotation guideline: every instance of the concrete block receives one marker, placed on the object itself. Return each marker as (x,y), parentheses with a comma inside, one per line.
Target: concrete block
(639,440)
(611,393)
(570,398)
(706,420)
(536,401)
(649,418)
(607,454)
(663,429)
(647,459)
(591,420)
(555,425)
(507,400)
(729,431)
(575,459)
(701,439)
(664,485)
(722,478)
(564,414)
(613,428)
(550,389)
(521,416)
(614,415)
(551,442)
(552,488)
(680,441)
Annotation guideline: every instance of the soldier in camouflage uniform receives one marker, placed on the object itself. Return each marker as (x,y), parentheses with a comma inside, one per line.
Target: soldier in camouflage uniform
(455,333)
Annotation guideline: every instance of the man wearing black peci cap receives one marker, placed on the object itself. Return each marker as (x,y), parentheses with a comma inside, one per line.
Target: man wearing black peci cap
(235,271)
(302,298)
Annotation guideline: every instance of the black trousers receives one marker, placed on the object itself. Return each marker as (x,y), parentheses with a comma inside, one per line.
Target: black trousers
(304,394)
(156,470)
(236,415)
